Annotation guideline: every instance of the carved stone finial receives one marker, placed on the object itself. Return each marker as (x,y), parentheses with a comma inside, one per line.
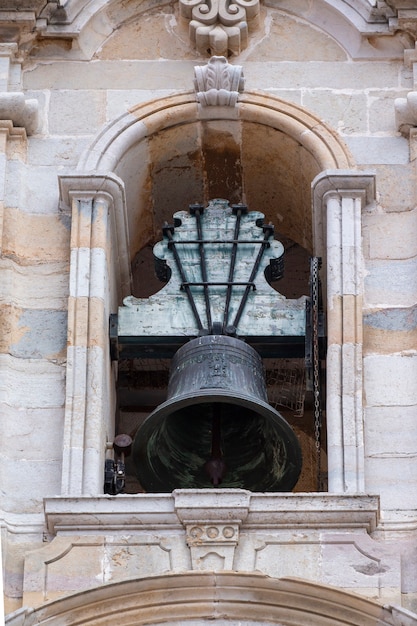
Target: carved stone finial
(220,26)
(218,83)
(406,113)
(406,108)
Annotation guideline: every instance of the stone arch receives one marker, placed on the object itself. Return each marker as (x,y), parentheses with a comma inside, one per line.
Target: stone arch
(120,135)
(157,135)
(112,202)
(202,598)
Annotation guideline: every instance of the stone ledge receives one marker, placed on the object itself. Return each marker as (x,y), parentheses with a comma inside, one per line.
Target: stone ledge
(129,513)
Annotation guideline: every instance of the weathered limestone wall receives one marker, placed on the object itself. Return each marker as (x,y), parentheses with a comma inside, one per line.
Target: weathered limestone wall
(117,59)
(210,530)
(390,335)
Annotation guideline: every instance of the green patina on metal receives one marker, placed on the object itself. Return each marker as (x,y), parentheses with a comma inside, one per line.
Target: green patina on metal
(217,268)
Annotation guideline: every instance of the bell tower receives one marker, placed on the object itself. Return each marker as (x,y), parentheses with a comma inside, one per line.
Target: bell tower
(207,312)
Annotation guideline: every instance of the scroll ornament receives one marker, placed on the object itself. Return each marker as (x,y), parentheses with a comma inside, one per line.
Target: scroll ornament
(220,27)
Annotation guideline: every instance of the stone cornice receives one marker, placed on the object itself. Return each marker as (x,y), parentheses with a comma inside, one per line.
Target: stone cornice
(22,523)
(345,182)
(130,513)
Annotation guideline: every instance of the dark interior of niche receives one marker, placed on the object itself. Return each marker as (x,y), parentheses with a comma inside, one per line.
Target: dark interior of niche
(145,283)
(294,284)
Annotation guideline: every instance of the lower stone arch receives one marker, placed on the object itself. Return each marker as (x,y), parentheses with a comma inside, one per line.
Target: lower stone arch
(206,597)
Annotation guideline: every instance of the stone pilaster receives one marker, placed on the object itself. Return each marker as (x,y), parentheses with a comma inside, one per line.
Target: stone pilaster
(339,198)
(97,274)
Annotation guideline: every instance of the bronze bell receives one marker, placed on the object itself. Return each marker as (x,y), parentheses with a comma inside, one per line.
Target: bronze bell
(216,428)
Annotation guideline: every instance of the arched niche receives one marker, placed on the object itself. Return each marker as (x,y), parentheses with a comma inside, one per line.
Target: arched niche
(154,160)
(172,152)
(224,598)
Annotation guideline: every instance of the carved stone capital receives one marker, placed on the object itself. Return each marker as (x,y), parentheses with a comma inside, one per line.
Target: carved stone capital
(218,83)
(219,26)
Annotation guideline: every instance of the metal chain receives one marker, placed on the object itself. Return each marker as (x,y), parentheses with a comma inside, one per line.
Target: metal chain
(315,304)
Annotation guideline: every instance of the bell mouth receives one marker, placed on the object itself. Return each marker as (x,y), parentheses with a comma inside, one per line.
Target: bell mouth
(259,450)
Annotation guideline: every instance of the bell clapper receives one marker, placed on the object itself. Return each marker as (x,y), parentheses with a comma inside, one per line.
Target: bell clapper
(215,467)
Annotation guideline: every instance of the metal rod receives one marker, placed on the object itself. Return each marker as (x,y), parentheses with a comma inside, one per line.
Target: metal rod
(268,230)
(216,449)
(203,268)
(231,269)
(218,283)
(229,241)
(315,350)
(168,233)
(215,467)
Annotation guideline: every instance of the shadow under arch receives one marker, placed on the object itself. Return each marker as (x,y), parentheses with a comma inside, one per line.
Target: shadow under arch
(150,117)
(221,597)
